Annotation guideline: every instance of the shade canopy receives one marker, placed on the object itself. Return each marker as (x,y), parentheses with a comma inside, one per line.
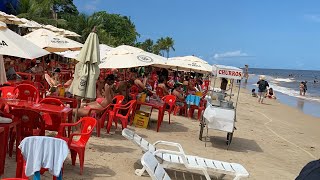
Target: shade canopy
(12,44)
(51,41)
(87,70)
(228,72)
(187,63)
(125,56)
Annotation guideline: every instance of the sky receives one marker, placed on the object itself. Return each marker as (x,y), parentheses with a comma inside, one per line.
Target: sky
(265,34)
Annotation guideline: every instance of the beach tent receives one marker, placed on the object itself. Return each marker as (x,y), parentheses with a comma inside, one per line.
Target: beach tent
(228,72)
(51,41)
(188,63)
(29,24)
(125,56)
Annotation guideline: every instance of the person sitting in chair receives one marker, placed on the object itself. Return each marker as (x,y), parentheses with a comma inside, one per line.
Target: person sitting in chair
(101,102)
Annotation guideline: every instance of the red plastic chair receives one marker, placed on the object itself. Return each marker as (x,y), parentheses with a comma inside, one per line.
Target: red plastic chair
(27,82)
(170,100)
(7,91)
(133,92)
(78,146)
(159,92)
(200,108)
(121,113)
(2,151)
(180,109)
(52,121)
(206,84)
(24,91)
(41,88)
(31,124)
(102,115)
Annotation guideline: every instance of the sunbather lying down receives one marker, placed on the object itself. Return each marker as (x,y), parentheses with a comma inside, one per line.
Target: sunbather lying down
(101,102)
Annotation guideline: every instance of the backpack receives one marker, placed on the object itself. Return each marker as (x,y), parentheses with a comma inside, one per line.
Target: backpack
(262,85)
(311,171)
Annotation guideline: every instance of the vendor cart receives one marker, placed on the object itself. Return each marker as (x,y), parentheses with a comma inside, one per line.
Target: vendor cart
(220,113)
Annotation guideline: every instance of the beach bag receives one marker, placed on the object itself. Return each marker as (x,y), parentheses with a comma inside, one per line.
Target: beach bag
(311,171)
(262,85)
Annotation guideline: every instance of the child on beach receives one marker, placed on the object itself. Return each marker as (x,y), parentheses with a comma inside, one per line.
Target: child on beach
(253,93)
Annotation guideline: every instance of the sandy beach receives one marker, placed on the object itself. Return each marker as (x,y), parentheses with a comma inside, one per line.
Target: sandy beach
(272,141)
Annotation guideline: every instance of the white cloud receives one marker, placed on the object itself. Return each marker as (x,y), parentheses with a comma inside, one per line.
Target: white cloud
(230,54)
(313,17)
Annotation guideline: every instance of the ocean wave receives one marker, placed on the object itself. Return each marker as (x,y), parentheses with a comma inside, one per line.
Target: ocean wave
(284,79)
(292,92)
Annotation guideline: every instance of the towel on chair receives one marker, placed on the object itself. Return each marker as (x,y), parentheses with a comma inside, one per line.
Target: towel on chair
(193,100)
(45,152)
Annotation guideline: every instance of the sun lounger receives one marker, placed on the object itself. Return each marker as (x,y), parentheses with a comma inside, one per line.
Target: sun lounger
(170,157)
(153,167)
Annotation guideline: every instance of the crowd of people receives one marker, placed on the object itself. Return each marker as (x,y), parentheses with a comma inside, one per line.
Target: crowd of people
(145,80)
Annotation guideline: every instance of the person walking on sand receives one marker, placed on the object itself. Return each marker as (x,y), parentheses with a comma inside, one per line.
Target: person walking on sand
(262,88)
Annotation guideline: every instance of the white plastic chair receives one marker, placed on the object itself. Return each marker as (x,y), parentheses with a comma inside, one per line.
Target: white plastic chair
(188,161)
(153,167)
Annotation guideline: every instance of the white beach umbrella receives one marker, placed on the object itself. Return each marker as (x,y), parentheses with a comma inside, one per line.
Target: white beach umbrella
(188,63)
(87,71)
(12,44)
(74,54)
(51,41)
(53,29)
(127,57)
(29,24)
(68,33)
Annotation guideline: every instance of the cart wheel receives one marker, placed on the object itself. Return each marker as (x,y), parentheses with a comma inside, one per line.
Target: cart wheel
(229,139)
(202,125)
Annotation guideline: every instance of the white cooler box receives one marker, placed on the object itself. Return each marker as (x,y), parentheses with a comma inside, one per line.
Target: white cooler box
(219,118)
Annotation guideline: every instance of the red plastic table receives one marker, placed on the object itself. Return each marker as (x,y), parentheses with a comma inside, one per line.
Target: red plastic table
(71,101)
(156,105)
(63,112)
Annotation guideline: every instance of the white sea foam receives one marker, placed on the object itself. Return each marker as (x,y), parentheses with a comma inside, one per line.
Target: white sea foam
(292,92)
(284,79)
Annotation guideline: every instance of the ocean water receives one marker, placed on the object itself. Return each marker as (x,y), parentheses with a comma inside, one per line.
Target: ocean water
(286,84)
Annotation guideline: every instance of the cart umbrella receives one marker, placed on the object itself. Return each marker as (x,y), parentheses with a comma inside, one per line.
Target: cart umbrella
(87,71)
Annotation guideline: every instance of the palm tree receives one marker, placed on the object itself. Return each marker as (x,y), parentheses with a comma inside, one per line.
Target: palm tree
(161,45)
(169,42)
(165,44)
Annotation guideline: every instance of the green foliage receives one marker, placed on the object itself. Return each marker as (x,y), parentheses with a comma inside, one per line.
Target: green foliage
(112,29)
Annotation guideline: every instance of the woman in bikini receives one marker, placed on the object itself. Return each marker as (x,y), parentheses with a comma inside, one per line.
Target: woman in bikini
(101,102)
